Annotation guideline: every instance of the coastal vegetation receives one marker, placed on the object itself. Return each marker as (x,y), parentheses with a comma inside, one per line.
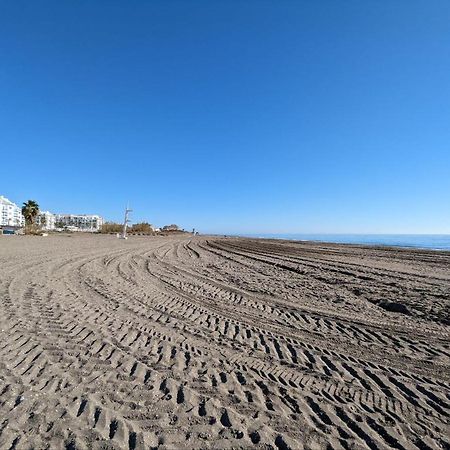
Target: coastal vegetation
(111,227)
(137,228)
(142,227)
(30,211)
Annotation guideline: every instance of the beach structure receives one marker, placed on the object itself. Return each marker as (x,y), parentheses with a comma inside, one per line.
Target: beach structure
(11,217)
(126,221)
(79,222)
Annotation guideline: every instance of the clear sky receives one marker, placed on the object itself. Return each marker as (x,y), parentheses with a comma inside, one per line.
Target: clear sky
(230,116)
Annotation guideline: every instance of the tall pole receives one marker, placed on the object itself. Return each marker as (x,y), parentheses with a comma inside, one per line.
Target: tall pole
(125,223)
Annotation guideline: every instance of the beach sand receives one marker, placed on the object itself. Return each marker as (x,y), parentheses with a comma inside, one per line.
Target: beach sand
(202,342)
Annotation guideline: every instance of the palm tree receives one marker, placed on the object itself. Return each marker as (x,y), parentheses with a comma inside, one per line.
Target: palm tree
(30,210)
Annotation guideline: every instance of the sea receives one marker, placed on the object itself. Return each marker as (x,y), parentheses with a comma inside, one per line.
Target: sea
(422,241)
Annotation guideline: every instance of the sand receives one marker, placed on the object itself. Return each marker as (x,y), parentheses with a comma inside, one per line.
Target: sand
(202,342)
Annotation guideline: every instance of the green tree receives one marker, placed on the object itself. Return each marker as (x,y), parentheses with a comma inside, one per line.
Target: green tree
(30,210)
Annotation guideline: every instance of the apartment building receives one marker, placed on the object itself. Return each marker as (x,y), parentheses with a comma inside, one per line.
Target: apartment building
(46,220)
(79,222)
(10,214)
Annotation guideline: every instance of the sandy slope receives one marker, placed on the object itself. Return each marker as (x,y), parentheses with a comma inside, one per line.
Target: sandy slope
(221,343)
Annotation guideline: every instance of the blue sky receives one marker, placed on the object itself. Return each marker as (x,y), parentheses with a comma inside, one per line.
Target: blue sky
(230,116)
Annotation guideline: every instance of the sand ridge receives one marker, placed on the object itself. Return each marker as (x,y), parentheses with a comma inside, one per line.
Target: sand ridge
(206,342)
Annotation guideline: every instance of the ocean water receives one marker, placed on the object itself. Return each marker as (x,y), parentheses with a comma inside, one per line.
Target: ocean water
(424,241)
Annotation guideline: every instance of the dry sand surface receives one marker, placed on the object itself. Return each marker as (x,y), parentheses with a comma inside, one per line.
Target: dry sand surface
(202,342)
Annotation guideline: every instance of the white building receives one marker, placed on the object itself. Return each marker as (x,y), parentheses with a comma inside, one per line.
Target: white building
(10,214)
(46,220)
(79,222)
